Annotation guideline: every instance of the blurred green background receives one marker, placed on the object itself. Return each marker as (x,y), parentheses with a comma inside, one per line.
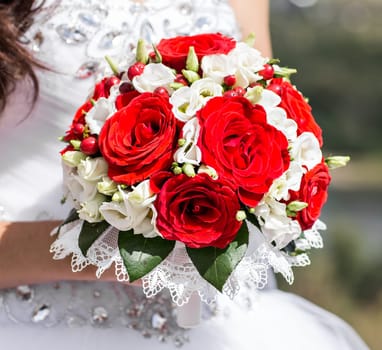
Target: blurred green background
(336,46)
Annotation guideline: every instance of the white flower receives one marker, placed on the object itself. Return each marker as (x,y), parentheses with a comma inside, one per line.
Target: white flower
(247,61)
(189,152)
(90,209)
(73,158)
(92,169)
(269,99)
(187,101)
(290,180)
(133,211)
(306,150)
(97,116)
(107,186)
(153,76)
(275,224)
(216,67)
(277,117)
(80,189)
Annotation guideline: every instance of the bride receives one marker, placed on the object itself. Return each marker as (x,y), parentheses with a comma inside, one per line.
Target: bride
(46,71)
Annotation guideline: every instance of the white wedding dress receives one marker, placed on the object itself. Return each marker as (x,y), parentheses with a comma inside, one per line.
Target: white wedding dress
(72,38)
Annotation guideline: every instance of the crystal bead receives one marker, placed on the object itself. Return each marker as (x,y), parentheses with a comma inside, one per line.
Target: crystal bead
(87,69)
(109,40)
(96,293)
(203,23)
(25,293)
(41,313)
(90,19)
(100,315)
(185,9)
(70,34)
(158,321)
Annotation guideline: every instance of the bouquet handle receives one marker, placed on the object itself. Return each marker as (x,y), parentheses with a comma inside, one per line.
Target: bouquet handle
(188,315)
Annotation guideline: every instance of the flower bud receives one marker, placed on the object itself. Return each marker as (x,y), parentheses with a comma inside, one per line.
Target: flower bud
(158,56)
(294,207)
(141,54)
(107,186)
(76,144)
(209,171)
(112,65)
(254,94)
(189,170)
(284,72)
(337,161)
(250,39)
(177,170)
(190,75)
(73,158)
(117,197)
(192,62)
(240,215)
(176,86)
(181,142)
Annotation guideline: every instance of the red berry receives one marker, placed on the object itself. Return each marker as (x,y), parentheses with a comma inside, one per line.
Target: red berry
(230,93)
(152,55)
(125,87)
(111,82)
(276,88)
(252,85)
(136,69)
(161,91)
(267,72)
(181,79)
(78,129)
(239,91)
(230,80)
(89,146)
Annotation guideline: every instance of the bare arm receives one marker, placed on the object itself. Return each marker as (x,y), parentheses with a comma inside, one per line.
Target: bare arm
(253,17)
(25,256)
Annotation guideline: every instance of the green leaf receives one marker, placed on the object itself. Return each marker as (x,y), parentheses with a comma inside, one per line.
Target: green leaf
(73,216)
(89,234)
(140,255)
(216,265)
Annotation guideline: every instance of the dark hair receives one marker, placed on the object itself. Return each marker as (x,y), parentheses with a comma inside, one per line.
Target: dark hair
(16,61)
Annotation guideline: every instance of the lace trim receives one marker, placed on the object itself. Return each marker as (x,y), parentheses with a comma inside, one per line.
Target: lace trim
(177,273)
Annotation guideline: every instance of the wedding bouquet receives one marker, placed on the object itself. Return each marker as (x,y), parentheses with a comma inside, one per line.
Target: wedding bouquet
(194,166)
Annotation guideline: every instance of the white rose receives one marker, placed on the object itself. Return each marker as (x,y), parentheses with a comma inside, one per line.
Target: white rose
(97,116)
(306,150)
(216,67)
(153,76)
(189,152)
(92,169)
(133,211)
(90,209)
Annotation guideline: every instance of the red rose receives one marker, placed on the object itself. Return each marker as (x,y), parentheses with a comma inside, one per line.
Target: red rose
(198,211)
(174,51)
(296,107)
(314,191)
(124,99)
(139,139)
(237,142)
